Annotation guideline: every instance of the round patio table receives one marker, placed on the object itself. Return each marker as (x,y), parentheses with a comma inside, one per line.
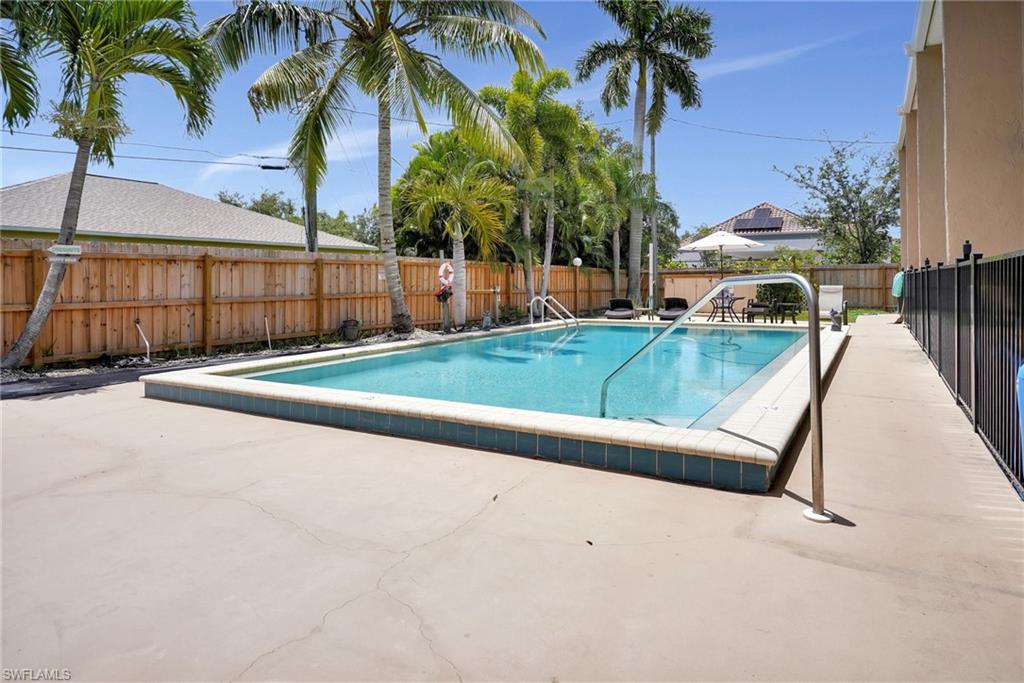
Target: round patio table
(724,307)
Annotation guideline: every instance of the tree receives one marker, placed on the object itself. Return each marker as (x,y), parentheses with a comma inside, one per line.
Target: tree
(658,41)
(462,192)
(98,45)
(266,202)
(853,200)
(379,51)
(686,35)
(543,127)
(627,188)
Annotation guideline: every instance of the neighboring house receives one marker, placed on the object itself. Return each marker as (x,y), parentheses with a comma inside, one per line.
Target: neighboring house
(765,223)
(961,139)
(123,210)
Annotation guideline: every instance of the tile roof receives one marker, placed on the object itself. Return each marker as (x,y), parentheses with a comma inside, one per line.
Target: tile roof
(763,219)
(119,206)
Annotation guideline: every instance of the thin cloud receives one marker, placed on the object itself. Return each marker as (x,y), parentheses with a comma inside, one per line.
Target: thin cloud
(713,69)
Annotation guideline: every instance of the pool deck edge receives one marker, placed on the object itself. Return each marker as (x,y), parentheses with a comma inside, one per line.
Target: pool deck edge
(756,434)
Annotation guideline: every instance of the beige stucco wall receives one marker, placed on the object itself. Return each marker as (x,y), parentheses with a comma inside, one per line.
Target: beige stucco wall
(931,196)
(983,77)
(909,235)
(902,159)
(962,159)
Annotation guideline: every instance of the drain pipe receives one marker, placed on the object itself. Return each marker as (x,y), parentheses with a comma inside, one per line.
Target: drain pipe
(143,335)
(266,326)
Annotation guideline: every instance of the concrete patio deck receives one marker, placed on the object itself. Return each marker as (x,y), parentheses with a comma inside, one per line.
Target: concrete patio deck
(148,540)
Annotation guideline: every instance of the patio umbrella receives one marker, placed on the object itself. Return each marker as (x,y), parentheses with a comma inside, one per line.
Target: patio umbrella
(721,240)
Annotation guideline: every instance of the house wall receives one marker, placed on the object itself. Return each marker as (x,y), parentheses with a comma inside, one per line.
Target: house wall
(931,171)
(910,235)
(984,130)
(962,155)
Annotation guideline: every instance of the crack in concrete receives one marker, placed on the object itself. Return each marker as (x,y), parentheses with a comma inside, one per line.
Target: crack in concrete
(423,634)
(312,632)
(379,587)
(303,530)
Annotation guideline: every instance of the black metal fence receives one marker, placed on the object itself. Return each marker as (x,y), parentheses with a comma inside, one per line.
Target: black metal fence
(969,318)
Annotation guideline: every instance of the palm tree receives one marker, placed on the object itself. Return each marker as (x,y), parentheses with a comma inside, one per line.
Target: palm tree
(628,190)
(98,45)
(379,51)
(464,193)
(659,40)
(544,129)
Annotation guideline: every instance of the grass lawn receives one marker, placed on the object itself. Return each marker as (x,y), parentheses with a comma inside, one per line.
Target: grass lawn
(854,313)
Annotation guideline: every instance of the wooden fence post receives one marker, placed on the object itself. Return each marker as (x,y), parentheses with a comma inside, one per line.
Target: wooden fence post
(38,264)
(507,288)
(318,282)
(207,303)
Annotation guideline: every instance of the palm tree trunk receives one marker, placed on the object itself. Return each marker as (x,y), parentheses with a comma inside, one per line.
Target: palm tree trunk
(401,321)
(654,224)
(524,224)
(549,246)
(459,264)
(616,253)
(636,226)
(55,274)
(310,215)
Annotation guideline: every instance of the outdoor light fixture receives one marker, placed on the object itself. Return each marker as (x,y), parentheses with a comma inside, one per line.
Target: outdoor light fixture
(577,262)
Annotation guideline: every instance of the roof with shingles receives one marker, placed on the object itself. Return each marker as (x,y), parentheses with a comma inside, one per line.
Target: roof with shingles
(142,209)
(764,218)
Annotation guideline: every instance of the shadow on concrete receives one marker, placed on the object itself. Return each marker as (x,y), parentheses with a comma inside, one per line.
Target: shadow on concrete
(791,457)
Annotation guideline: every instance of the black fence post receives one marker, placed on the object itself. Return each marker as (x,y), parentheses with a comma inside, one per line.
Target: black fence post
(974,341)
(927,322)
(938,317)
(956,329)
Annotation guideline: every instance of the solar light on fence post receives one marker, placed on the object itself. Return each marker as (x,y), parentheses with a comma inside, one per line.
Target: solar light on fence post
(495,305)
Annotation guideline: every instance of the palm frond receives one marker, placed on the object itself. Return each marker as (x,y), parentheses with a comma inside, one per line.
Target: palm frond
(293,79)
(267,27)
(483,39)
(20,85)
(598,54)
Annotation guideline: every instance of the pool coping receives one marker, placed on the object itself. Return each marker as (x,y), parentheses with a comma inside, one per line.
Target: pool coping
(756,434)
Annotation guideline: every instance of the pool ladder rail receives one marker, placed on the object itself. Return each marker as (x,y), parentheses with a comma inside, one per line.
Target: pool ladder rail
(816,512)
(561,312)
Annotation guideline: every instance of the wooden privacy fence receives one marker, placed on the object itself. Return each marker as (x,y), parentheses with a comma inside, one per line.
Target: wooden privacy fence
(188,298)
(864,285)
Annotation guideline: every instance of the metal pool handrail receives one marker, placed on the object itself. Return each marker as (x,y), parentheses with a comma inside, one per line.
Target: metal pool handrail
(544,301)
(817,510)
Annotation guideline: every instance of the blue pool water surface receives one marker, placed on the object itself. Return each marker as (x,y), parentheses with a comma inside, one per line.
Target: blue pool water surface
(561,370)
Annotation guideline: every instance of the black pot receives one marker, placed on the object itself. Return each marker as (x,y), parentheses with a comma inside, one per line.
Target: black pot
(350,330)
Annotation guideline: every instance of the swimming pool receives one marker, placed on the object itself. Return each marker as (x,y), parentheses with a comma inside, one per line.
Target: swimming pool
(560,370)
(712,404)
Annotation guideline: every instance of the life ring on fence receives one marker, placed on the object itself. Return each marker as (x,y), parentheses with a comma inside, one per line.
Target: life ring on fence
(446,274)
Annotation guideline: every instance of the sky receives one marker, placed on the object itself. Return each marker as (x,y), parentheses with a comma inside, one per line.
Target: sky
(791,69)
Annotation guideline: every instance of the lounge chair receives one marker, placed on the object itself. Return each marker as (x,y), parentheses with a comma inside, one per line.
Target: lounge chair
(674,307)
(620,309)
(830,298)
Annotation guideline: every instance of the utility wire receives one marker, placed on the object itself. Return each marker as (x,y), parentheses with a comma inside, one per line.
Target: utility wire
(171,147)
(781,137)
(265,167)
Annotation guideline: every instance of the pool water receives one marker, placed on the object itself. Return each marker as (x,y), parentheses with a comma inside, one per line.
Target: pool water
(560,370)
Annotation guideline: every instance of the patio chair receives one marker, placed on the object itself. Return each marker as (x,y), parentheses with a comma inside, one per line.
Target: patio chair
(755,308)
(674,307)
(619,309)
(830,297)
